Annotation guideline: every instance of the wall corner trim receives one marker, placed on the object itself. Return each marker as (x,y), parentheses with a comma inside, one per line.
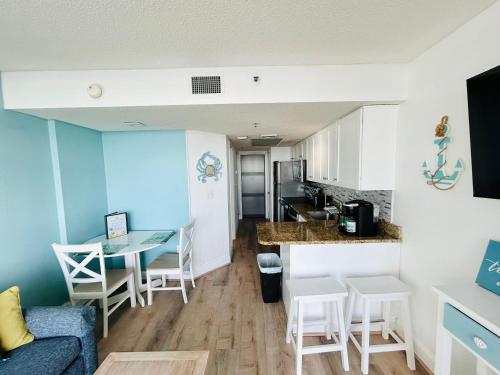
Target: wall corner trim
(56,170)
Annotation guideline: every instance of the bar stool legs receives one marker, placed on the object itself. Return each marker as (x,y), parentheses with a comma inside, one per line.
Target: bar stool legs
(365,338)
(342,336)
(324,291)
(408,332)
(384,289)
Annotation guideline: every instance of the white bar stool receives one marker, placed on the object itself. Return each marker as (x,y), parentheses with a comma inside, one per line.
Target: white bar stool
(328,291)
(385,289)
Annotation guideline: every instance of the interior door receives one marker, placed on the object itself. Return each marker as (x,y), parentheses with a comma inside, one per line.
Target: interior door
(253,186)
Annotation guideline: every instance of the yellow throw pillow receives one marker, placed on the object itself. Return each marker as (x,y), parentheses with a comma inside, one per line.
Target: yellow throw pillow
(13,329)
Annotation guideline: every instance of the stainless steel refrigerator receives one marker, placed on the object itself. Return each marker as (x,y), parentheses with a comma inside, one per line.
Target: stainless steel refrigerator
(287,183)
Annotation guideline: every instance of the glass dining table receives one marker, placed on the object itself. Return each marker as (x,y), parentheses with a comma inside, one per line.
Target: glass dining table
(130,247)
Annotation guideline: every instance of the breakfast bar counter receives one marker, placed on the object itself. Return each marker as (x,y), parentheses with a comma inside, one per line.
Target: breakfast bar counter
(319,232)
(316,248)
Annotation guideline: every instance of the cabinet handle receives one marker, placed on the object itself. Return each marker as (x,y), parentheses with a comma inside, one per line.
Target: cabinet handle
(480,343)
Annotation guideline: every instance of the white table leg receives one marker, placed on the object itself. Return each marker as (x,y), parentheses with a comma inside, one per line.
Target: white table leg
(133,262)
(443,345)
(482,368)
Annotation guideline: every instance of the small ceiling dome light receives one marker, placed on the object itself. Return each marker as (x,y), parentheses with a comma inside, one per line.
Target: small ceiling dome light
(94,90)
(242,137)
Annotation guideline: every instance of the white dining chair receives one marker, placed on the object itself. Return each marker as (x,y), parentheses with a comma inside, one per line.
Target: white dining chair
(175,264)
(84,283)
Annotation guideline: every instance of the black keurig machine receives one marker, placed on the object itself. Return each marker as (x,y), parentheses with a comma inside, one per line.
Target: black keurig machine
(358,219)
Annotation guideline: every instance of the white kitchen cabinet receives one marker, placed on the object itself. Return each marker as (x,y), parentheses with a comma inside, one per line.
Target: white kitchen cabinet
(333,153)
(367,148)
(349,133)
(300,151)
(323,152)
(316,157)
(357,152)
(310,158)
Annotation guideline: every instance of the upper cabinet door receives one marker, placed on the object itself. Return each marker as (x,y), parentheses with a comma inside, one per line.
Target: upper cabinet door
(378,147)
(356,152)
(323,146)
(333,153)
(301,155)
(349,133)
(317,157)
(310,158)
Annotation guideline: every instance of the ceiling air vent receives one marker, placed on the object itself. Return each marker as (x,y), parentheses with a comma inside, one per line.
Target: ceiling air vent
(266,142)
(206,85)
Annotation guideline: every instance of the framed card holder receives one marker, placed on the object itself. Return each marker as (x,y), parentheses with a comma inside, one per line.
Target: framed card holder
(116,225)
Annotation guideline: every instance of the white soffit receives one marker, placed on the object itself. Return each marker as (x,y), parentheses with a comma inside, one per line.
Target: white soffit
(290,121)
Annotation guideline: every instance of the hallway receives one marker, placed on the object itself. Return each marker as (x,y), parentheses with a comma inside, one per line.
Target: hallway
(226,315)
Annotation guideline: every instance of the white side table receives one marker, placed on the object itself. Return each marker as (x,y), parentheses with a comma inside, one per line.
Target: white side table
(470,315)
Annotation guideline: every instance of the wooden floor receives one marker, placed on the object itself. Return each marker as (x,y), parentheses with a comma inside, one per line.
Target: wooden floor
(226,316)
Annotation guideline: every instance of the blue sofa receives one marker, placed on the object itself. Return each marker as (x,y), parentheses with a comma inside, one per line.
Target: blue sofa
(64,343)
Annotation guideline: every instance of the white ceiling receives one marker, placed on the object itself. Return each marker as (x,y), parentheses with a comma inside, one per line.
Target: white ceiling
(293,121)
(140,34)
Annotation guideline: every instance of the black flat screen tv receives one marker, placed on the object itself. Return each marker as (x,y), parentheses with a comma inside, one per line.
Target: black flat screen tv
(483,94)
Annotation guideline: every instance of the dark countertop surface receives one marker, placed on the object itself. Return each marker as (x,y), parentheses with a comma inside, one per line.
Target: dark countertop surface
(318,231)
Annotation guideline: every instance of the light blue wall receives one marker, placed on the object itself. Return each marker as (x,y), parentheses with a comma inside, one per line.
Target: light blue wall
(83,181)
(28,214)
(89,174)
(146,175)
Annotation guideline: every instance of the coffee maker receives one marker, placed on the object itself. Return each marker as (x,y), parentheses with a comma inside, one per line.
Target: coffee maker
(358,218)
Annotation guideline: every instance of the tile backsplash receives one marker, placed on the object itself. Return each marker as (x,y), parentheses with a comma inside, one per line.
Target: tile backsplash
(381,197)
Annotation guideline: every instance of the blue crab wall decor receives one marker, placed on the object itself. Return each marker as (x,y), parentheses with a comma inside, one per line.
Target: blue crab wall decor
(209,166)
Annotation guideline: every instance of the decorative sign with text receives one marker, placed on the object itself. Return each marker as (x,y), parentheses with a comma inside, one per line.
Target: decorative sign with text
(489,273)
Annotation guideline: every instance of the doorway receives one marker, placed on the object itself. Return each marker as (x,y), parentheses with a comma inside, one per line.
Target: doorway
(253,185)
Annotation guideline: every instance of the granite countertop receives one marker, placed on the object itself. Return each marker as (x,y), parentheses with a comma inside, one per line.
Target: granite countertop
(318,231)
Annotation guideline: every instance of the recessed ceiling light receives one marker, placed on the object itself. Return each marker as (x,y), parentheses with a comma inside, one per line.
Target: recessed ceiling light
(269,135)
(242,137)
(135,124)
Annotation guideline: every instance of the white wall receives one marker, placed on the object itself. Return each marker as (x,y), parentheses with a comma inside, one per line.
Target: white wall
(445,233)
(276,154)
(208,203)
(278,84)
(233,193)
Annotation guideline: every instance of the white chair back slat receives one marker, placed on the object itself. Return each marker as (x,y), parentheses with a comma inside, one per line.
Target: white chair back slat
(185,247)
(74,269)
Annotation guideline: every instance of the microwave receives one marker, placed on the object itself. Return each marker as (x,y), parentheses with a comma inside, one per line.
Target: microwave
(299,170)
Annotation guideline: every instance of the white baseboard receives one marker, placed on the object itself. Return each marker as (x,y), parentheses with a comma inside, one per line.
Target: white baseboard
(424,354)
(212,265)
(208,267)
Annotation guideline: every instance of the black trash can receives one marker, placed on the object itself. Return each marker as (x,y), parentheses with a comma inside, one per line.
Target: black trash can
(270,276)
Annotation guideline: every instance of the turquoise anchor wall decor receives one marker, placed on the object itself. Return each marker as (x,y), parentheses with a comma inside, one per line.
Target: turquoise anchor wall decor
(209,166)
(439,178)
